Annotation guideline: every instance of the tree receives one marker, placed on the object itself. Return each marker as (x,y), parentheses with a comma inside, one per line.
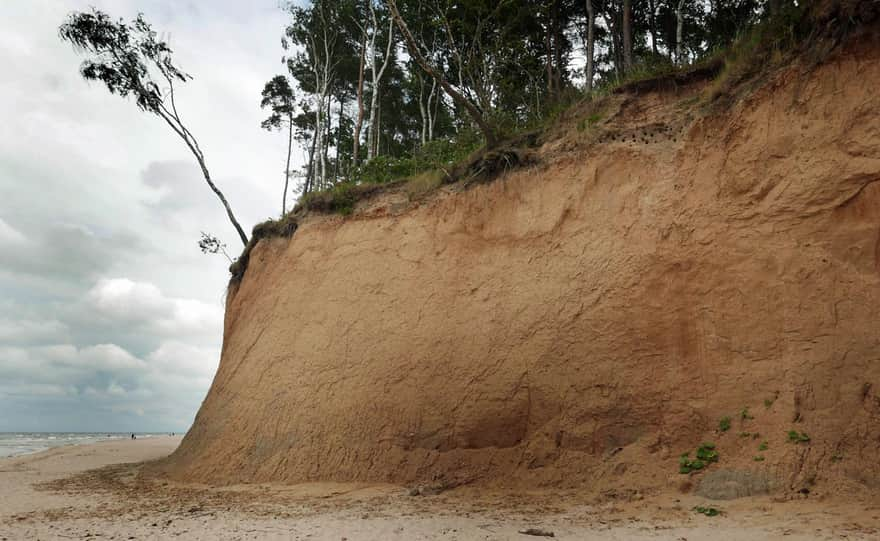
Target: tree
(591,43)
(376,75)
(460,100)
(278,96)
(129,60)
(627,36)
(679,31)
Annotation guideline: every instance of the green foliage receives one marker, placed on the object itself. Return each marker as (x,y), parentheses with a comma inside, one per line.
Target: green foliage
(758,458)
(762,45)
(797,437)
(339,199)
(724,424)
(745,415)
(439,154)
(764,446)
(588,122)
(127,58)
(769,402)
(708,511)
(705,455)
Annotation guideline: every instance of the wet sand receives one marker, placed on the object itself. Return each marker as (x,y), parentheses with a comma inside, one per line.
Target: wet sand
(94,492)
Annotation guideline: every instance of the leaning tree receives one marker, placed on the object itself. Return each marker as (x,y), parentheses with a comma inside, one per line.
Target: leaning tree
(131,61)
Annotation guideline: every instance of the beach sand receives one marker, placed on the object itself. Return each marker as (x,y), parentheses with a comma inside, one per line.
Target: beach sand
(94,492)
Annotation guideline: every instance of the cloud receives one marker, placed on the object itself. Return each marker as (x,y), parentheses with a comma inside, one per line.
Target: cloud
(9,236)
(143,304)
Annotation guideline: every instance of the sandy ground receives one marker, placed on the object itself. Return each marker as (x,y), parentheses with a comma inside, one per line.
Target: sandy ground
(93,491)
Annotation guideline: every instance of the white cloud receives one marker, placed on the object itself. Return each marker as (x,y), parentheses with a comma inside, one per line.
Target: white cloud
(143,303)
(9,236)
(22,331)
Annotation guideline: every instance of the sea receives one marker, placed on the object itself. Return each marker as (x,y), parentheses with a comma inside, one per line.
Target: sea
(23,443)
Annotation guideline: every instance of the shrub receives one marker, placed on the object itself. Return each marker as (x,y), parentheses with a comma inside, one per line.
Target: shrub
(724,424)
(708,511)
(797,437)
(706,454)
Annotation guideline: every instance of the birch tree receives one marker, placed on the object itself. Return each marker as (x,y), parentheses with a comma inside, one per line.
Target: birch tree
(376,74)
(131,61)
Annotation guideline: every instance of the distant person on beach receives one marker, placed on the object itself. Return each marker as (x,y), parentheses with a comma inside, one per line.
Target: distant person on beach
(132,436)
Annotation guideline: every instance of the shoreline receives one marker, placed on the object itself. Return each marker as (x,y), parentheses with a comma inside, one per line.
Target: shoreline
(94,490)
(38,442)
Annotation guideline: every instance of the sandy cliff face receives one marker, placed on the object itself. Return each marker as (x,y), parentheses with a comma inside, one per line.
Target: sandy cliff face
(586,321)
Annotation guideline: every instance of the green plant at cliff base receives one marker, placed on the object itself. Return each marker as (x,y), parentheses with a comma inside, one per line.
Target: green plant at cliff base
(706,454)
(797,437)
(708,511)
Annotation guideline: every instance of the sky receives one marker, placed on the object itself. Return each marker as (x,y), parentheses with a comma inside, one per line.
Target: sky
(111,318)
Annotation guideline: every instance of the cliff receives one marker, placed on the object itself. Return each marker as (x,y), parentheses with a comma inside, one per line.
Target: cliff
(584,321)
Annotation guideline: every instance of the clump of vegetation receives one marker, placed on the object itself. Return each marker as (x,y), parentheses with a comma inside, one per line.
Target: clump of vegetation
(745,415)
(340,199)
(798,437)
(836,457)
(706,454)
(758,458)
(764,446)
(708,511)
(745,434)
(724,424)
(589,122)
(762,46)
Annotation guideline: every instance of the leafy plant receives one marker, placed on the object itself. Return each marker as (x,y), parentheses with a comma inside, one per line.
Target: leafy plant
(798,437)
(745,434)
(759,458)
(724,424)
(686,465)
(708,511)
(764,446)
(705,455)
(744,414)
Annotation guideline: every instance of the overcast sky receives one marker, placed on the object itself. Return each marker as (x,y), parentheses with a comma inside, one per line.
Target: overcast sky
(110,316)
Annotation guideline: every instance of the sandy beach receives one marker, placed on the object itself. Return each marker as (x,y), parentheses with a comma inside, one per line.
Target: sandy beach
(93,491)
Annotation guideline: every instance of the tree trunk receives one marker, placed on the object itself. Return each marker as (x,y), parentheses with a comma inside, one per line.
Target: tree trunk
(287,167)
(416,53)
(679,31)
(627,36)
(422,114)
(377,80)
(173,120)
(558,39)
(652,21)
(358,125)
(591,43)
(432,115)
(310,170)
(614,29)
(338,134)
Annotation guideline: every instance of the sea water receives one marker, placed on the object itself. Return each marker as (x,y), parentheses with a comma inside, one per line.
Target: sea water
(22,443)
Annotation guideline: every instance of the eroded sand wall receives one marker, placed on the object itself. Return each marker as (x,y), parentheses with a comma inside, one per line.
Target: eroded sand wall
(583,322)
